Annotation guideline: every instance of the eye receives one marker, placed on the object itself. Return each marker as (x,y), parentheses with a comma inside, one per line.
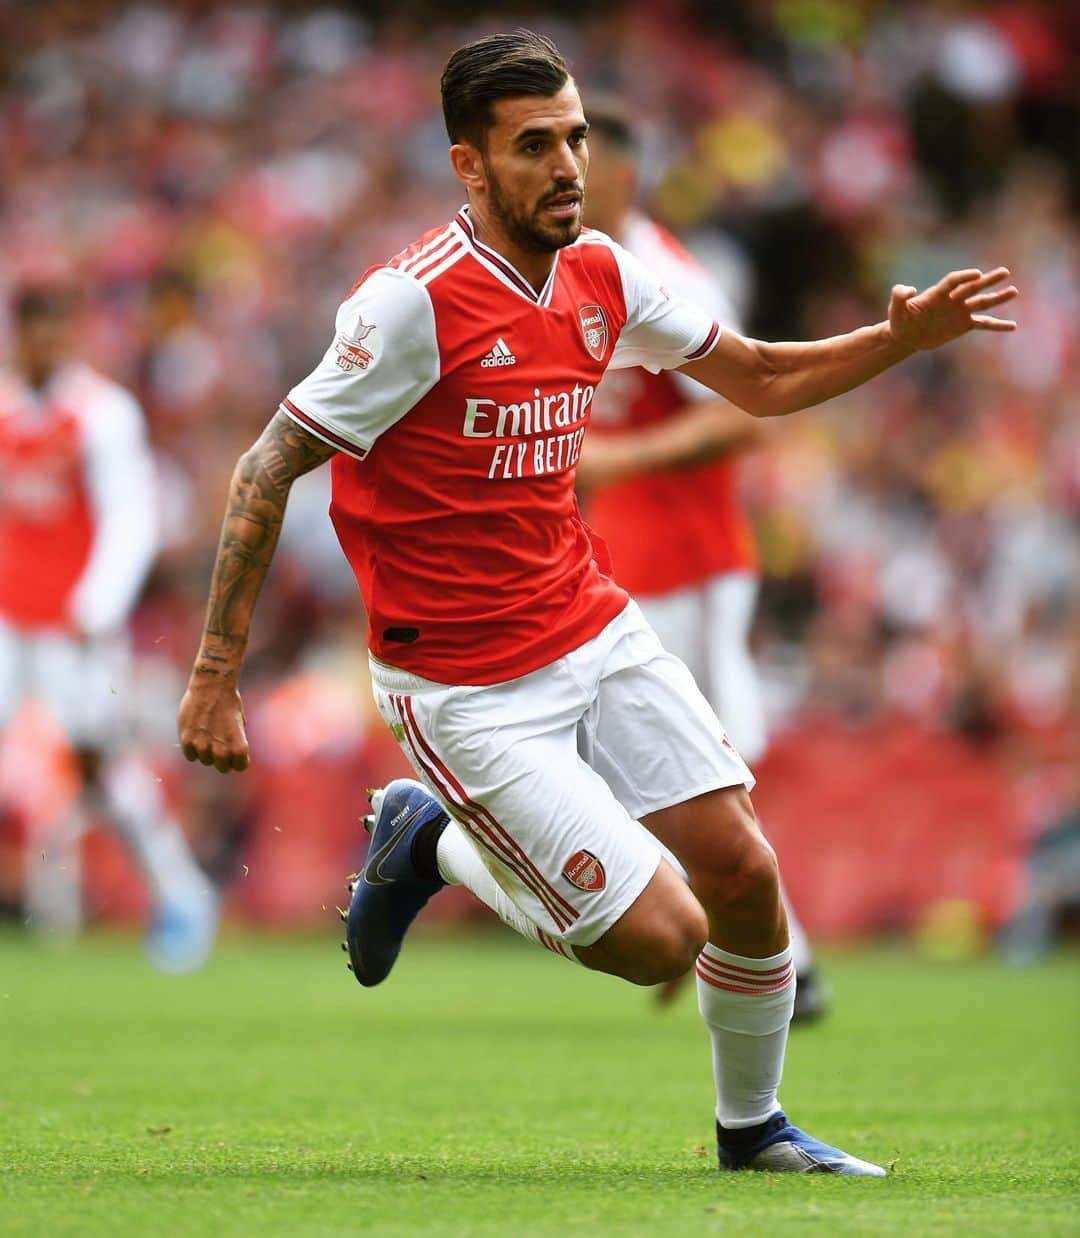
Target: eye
(533,148)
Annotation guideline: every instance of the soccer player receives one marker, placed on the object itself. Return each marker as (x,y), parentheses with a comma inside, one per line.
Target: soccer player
(658,473)
(560,748)
(78,533)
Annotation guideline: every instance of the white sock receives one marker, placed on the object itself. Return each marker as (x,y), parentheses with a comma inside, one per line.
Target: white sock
(52,887)
(800,945)
(133,803)
(746,1004)
(460,865)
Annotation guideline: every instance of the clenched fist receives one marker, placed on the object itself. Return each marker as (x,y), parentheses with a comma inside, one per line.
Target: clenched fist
(211,723)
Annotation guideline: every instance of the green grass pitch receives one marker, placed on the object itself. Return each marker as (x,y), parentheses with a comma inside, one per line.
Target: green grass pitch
(490,1089)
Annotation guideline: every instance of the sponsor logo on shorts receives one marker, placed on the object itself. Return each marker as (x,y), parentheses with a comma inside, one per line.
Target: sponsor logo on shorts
(594,329)
(351,353)
(585,871)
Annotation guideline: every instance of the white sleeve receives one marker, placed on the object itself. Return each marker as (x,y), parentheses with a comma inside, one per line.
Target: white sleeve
(384,359)
(663,330)
(701,288)
(120,481)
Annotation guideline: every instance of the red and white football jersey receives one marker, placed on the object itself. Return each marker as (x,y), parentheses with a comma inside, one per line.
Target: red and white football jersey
(78,526)
(673,528)
(458,398)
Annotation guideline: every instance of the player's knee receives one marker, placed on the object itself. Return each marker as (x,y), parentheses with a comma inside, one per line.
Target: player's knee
(744,872)
(758,871)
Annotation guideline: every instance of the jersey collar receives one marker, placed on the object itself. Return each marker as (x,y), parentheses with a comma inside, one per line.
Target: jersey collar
(505,272)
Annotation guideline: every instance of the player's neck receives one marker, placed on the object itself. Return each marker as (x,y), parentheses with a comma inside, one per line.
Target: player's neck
(534,266)
(37,377)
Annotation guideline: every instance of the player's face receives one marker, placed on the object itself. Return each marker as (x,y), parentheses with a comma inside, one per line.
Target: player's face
(534,166)
(612,183)
(41,345)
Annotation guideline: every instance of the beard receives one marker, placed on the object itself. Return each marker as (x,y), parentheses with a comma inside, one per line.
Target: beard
(524,227)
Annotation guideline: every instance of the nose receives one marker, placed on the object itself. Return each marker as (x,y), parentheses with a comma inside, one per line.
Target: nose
(566,165)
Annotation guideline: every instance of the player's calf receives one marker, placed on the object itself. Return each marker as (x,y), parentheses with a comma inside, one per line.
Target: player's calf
(740,891)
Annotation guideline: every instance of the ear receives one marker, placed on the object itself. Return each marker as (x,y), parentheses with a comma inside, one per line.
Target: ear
(468,165)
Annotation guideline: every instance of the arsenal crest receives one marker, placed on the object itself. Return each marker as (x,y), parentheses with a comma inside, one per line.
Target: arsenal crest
(585,871)
(351,353)
(594,329)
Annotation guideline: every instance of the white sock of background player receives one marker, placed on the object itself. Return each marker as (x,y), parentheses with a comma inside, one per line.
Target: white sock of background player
(133,803)
(52,889)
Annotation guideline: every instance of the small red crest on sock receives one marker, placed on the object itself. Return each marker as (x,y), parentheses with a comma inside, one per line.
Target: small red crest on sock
(585,871)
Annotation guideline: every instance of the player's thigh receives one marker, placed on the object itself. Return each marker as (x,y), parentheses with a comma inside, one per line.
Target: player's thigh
(504,762)
(83,684)
(732,683)
(678,619)
(651,734)
(12,664)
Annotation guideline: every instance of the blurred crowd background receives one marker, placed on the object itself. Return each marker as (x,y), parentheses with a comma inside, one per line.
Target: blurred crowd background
(216,176)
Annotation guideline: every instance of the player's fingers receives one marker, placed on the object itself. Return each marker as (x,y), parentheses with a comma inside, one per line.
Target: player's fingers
(197,750)
(966,287)
(903,302)
(955,278)
(241,753)
(664,994)
(987,300)
(985,323)
(222,760)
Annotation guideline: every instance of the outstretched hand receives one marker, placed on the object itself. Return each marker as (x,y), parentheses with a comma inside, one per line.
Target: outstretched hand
(950,308)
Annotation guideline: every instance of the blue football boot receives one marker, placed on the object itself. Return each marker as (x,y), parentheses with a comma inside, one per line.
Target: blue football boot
(779,1147)
(389,891)
(183,927)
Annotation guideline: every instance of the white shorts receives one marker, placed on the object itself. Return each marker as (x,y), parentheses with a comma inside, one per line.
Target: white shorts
(548,774)
(708,627)
(82,683)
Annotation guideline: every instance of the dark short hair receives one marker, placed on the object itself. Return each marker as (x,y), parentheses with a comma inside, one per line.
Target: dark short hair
(610,120)
(500,66)
(38,301)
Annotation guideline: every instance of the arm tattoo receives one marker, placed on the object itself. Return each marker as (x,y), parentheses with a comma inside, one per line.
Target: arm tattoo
(260,488)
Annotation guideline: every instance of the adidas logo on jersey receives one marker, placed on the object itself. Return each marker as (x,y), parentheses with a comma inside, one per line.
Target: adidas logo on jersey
(499,355)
